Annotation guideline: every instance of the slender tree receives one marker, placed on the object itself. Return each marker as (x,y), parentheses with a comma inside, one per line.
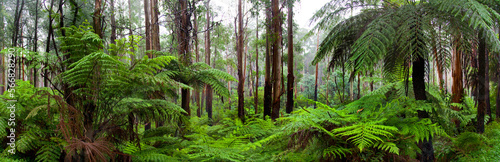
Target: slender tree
(113,22)
(241,79)
(256,97)
(209,94)
(481,85)
(183,47)
(195,37)
(147,14)
(290,77)
(267,84)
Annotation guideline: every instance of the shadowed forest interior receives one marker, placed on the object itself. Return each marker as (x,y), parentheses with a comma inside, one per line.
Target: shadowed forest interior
(249,80)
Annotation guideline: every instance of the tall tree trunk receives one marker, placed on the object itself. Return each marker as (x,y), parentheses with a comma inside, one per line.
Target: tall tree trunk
(316,75)
(276,46)
(113,22)
(97,18)
(290,77)
(195,37)
(359,89)
(418,75)
(47,47)
(130,33)
(147,21)
(241,79)
(267,84)
(481,85)
(256,97)
(457,89)
(209,94)
(487,85)
(183,38)
(35,47)
(155,26)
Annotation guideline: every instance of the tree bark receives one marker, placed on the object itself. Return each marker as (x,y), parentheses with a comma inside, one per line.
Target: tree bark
(481,85)
(267,83)
(457,89)
(155,26)
(256,97)
(148,26)
(241,82)
(209,94)
(113,22)
(97,18)
(183,48)
(276,46)
(290,77)
(195,37)
(316,75)
(35,47)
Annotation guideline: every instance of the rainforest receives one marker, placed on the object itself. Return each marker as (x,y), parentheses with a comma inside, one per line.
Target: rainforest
(249,80)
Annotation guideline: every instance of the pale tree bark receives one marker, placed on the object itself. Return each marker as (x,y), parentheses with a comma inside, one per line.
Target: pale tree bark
(155,26)
(276,47)
(256,97)
(148,27)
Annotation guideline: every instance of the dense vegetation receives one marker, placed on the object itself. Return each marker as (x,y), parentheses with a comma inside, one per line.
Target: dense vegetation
(374,80)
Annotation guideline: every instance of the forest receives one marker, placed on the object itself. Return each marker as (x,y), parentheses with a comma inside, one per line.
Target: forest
(248,80)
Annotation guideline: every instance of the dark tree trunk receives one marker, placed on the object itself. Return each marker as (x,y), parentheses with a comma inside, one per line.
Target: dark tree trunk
(241,78)
(276,47)
(418,75)
(113,22)
(481,85)
(209,94)
(487,86)
(289,101)
(419,90)
(185,101)
(267,84)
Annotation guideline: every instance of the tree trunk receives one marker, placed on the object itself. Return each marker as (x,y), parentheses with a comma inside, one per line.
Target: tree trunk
(35,48)
(148,26)
(267,84)
(97,18)
(113,22)
(418,75)
(183,48)
(195,37)
(316,75)
(276,46)
(256,97)
(487,86)
(209,95)
(241,79)
(290,77)
(130,33)
(481,85)
(47,47)
(155,28)
(457,89)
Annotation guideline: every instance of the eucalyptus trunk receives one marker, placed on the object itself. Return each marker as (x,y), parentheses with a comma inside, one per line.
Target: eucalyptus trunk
(290,77)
